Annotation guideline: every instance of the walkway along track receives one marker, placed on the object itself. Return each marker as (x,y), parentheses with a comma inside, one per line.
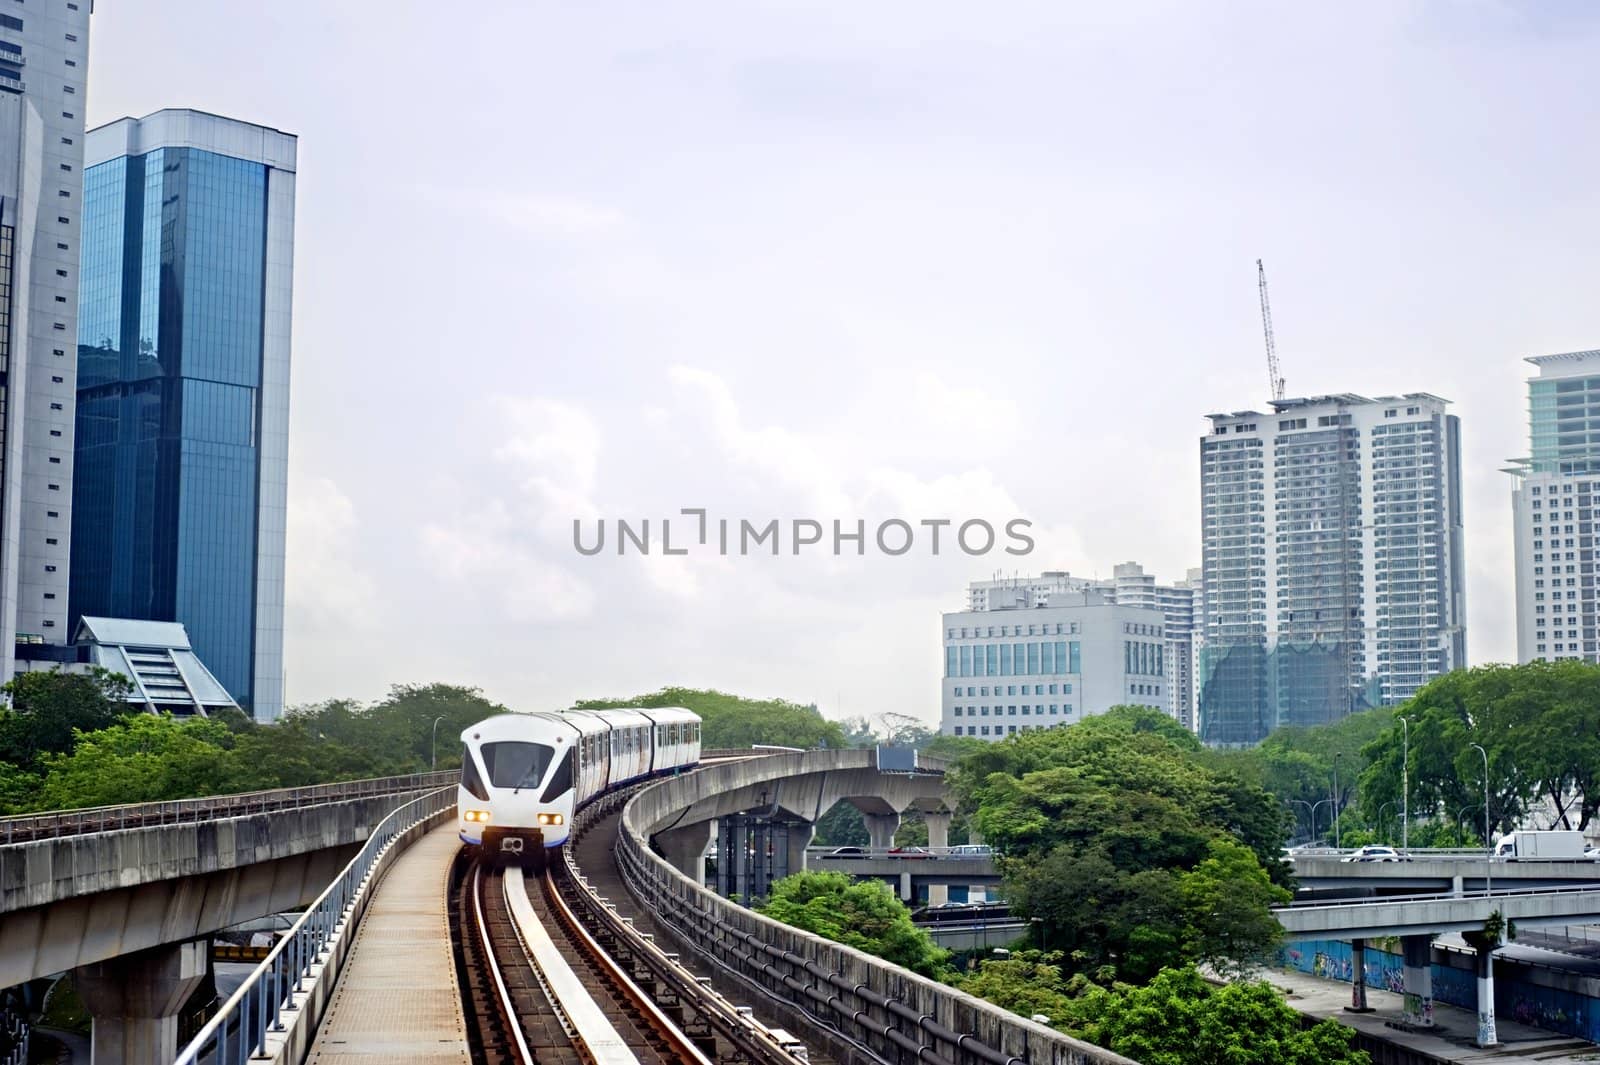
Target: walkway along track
(551,973)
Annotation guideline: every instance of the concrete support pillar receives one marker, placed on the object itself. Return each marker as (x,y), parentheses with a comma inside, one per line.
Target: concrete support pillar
(881,829)
(1484,966)
(800,837)
(938,894)
(978,893)
(938,828)
(733,858)
(1417,952)
(135,1000)
(1456,887)
(685,848)
(1358,977)
(905,887)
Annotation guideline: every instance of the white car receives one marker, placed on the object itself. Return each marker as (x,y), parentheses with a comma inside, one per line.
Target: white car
(1374,852)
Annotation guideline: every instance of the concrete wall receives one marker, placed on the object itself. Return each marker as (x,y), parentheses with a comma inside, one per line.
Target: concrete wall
(81,899)
(795,966)
(1553,999)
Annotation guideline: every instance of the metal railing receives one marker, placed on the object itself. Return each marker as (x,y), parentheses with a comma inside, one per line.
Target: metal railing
(58,823)
(1443,896)
(851,853)
(14,1033)
(1425,854)
(240,1028)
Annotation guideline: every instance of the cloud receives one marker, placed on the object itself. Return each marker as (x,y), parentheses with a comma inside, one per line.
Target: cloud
(545,214)
(326,583)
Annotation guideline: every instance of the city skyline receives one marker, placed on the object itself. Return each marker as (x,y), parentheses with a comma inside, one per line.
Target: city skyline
(598,305)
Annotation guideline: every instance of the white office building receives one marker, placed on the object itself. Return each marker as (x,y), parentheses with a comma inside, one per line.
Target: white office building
(1012,668)
(1332,571)
(1129,585)
(1553,512)
(44,52)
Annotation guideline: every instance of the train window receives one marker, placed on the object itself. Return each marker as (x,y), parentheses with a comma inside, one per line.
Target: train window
(514,764)
(560,781)
(470,778)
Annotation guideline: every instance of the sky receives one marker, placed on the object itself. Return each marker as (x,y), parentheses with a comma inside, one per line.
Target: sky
(842,261)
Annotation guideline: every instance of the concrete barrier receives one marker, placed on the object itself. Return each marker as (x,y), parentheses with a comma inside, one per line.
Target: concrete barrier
(893,1011)
(77,900)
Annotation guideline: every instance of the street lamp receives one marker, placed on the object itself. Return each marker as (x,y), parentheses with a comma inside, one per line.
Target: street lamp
(1488,847)
(1336,843)
(1311,812)
(1405,783)
(1380,823)
(433,760)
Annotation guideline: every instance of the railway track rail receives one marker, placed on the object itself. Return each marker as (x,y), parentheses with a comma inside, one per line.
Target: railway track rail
(551,973)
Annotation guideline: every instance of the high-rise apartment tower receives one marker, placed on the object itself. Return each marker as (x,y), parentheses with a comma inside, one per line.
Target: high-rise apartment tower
(1553,510)
(44,59)
(1333,576)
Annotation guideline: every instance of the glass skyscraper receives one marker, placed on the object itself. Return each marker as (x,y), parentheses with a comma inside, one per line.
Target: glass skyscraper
(182,393)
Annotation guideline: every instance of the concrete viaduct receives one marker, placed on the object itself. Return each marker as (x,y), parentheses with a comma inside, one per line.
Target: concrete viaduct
(129,910)
(1358,901)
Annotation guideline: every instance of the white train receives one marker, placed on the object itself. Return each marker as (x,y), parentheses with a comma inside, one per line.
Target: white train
(524,775)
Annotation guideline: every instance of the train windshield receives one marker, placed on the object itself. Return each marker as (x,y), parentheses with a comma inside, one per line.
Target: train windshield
(516,765)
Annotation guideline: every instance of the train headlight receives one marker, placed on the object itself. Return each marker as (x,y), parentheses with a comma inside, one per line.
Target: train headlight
(550,819)
(480,816)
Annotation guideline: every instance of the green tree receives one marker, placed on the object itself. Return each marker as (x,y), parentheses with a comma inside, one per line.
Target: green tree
(1539,723)
(1123,837)
(733,721)
(50,707)
(1029,982)
(19,789)
(143,758)
(842,826)
(1180,1019)
(863,914)
(1227,902)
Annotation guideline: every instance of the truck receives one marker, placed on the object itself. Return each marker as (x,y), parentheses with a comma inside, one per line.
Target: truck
(1556,846)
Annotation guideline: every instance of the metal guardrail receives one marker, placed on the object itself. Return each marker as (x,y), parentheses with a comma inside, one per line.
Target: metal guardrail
(14,1033)
(1423,854)
(907,853)
(239,1030)
(27,827)
(1443,896)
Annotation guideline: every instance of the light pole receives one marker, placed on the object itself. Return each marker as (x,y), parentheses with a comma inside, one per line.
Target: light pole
(1311,812)
(1380,824)
(1336,843)
(1405,783)
(433,760)
(1488,847)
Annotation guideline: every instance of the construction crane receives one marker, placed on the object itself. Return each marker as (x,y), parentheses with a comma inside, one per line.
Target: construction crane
(1274,376)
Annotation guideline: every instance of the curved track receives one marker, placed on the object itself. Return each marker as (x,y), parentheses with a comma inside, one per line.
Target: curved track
(541,987)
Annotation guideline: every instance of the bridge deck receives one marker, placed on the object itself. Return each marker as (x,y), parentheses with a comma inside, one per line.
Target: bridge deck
(397,999)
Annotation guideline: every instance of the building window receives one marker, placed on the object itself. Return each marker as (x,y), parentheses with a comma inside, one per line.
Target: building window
(53,487)
(49,569)
(54,458)
(50,540)
(49,624)
(49,595)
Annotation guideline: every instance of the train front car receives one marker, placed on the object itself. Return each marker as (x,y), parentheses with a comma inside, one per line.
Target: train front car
(515,798)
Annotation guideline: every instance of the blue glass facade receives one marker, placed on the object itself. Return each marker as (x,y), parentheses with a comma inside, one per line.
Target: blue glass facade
(167,477)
